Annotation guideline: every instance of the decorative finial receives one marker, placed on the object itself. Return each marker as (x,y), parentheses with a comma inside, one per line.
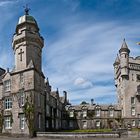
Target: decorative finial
(27,9)
(124,39)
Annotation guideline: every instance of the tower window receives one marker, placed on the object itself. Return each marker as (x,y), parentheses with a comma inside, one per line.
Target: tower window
(7,85)
(133,111)
(132,77)
(138,78)
(20,54)
(132,100)
(125,55)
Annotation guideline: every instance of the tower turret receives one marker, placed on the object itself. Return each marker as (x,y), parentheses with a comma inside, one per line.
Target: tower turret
(27,43)
(124,59)
(116,68)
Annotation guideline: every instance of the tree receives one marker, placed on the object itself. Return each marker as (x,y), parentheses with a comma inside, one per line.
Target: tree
(29,112)
(28,109)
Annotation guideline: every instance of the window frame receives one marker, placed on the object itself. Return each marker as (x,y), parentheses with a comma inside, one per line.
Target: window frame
(7,122)
(8,103)
(7,85)
(22,121)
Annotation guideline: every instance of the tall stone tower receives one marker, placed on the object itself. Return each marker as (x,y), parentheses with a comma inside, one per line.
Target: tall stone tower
(27,78)
(127,82)
(27,44)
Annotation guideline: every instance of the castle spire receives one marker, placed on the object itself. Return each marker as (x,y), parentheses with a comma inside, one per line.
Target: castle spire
(124,47)
(117,60)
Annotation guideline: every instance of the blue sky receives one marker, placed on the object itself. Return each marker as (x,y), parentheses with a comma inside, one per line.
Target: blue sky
(82,39)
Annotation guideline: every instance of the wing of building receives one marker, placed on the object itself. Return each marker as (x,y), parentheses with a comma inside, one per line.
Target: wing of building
(27,81)
(127,82)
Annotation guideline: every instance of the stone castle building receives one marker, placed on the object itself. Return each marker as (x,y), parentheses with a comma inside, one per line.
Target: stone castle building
(27,80)
(127,82)
(52,112)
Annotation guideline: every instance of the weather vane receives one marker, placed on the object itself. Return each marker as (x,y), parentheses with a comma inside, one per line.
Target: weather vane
(27,9)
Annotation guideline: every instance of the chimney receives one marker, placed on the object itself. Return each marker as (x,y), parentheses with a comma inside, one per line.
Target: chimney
(65,95)
(7,70)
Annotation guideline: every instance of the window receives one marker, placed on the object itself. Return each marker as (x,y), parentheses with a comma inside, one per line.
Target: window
(39,99)
(132,100)
(21,78)
(138,123)
(138,89)
(98,123)
(39,120)
(98,111)
(85,113)
(47,96)
(57,112)
(84,124)
(7,85)
(47,124)
(133,123)
(138,77)
(22,121)
(132,77)
(52,123)
(8,103)
(7,122)
(71,114)
(133,111)
(111,111)
(22,99)
(47,109)
(71,124)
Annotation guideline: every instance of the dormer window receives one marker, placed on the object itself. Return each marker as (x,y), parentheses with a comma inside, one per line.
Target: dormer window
(98,111)
(71,114)
(111,111)
(7,85)
(85,113)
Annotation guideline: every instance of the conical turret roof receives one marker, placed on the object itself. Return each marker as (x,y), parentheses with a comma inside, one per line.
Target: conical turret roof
(117,60)
(124,47)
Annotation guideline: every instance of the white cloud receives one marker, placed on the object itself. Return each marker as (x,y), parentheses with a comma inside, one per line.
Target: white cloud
(83,83)
(6,2)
